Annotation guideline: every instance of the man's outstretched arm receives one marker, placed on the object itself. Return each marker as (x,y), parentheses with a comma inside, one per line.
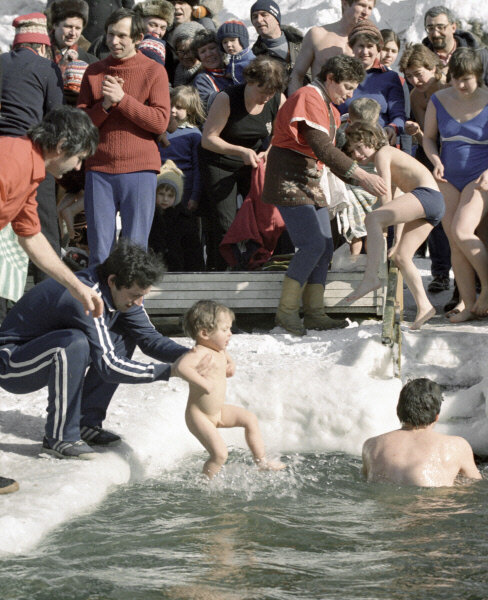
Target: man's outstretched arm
(39,250)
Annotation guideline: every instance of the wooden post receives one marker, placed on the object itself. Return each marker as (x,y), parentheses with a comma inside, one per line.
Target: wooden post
(393,313)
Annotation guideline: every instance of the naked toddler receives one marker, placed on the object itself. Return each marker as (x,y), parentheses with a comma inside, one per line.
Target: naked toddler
(209,324)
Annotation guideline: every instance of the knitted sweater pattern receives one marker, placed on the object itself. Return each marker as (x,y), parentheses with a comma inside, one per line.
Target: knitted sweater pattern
(128,131)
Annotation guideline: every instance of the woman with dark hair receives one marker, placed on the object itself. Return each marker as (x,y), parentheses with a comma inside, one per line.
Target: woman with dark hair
(304,138)
(238,126)
(459,115)
(380,83)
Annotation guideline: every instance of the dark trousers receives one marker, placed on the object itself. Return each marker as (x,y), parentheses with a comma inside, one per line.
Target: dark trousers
(440,252)
(57,360)
(46,200)
(98,393)
(220,190)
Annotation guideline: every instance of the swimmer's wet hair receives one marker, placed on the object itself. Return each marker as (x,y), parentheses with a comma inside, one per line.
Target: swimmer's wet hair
(419,402)
(204,315)
(365,133)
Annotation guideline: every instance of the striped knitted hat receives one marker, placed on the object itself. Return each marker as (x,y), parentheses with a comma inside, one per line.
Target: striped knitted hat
(73,74)
(154,48)
(31,29)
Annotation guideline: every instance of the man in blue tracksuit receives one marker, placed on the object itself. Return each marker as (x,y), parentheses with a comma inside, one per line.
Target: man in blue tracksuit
(48,340)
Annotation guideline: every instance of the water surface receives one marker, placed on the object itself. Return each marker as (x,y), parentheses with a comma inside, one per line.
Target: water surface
(315,531)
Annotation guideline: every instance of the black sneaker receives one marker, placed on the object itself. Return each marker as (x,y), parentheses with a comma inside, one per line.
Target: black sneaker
(61,449)
(96,436)
(7,486)
(454,301)
(438,284)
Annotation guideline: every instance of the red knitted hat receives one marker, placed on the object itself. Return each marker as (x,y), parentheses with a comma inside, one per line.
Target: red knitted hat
(31,29)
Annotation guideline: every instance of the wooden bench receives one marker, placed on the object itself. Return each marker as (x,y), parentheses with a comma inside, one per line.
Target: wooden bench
(258,291)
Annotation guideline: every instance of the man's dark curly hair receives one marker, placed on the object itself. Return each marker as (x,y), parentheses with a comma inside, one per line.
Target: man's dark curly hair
(419,402)
(131,264)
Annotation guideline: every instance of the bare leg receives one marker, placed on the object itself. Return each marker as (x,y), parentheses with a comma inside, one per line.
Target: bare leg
(463,271)
(413,235)
(472,208)
(206,433)
(356,246)
(403,209)
(235,416)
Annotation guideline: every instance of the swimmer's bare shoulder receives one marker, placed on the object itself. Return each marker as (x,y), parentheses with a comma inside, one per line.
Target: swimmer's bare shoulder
(406,172)
(463,455)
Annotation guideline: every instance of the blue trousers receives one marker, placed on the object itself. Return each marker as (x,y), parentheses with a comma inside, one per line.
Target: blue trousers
(57,360)
(310,231)
(131,194)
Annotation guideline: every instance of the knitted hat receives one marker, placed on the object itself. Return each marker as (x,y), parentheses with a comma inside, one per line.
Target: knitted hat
(233,29)
(364,27)
(73,74)
(154,48)
(190,2)
(31,29)
(268,6)
(157,8)
(186,30)
(59,10)
(172,176)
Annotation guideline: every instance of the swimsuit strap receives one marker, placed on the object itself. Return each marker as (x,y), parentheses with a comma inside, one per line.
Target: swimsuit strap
(463,138)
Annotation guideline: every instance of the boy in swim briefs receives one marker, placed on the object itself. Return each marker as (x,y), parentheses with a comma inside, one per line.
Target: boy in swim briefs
(414,213)
(209,324)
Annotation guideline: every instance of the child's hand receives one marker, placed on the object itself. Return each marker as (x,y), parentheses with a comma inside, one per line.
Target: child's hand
(230,367)
(438,171)
(392,135)
(192,205)
(412,128)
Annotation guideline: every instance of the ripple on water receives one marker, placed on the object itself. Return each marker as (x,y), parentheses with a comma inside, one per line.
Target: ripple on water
(314,531)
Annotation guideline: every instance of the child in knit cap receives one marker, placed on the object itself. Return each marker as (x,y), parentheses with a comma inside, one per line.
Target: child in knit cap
(169,228)
(234,40)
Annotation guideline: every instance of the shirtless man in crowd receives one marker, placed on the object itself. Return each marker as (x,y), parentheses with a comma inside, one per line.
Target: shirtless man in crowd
(323,42)
(416,454)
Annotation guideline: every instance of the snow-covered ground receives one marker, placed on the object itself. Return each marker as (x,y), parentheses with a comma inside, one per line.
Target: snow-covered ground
(327,391)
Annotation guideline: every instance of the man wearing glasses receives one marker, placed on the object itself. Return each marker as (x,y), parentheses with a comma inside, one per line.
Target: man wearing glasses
(443,37)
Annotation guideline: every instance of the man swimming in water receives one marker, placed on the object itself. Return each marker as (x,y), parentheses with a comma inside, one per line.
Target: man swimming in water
(415,454)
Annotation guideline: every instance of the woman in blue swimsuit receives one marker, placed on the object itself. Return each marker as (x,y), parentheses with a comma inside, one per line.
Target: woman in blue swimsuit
(459,115)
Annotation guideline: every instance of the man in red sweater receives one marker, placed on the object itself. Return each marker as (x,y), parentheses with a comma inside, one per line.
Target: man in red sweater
(127,97)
